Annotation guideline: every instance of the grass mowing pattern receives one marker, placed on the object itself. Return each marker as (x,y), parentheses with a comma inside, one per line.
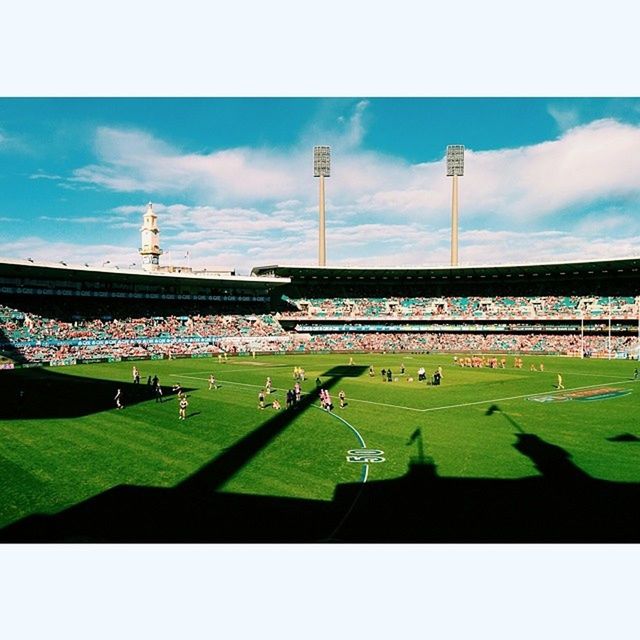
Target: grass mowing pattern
(49,464)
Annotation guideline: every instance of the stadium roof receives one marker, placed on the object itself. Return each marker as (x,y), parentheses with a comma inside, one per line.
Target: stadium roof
(28,269)
(541,270)
(601,277)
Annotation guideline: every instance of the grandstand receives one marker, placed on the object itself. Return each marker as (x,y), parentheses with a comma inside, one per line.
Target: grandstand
(57,314)
(578,308)
(61,314)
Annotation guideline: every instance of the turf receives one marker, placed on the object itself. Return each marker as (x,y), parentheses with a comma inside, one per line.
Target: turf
(68,442)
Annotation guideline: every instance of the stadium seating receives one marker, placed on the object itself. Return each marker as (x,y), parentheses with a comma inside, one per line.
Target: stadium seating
(540,324)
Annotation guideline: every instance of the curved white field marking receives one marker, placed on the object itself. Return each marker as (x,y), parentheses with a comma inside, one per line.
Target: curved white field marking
(365,470)
(335,415)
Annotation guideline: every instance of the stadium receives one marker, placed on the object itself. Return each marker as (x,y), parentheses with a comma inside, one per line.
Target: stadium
(319,403)
(480,404)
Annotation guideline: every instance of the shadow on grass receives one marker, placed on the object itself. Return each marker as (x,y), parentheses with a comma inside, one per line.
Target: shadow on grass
(562,504)
(624,437)
(41,393)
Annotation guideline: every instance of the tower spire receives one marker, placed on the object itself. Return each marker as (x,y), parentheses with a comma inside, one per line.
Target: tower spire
(150,240)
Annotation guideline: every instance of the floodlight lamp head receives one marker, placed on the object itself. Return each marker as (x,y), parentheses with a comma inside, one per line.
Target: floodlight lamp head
(455,160)
(321,161)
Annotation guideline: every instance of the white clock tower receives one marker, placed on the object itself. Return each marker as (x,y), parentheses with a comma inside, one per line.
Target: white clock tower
(150,249)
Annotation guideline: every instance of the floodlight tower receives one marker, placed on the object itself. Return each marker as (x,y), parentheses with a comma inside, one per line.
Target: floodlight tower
(455,168)
(322,169)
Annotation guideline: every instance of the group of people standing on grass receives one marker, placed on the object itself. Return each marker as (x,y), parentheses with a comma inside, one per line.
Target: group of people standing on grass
(153,384)
(294,395)
(387,375)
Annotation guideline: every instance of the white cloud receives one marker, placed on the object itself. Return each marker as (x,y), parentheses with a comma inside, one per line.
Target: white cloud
(355,130)
(44,176)
(586,163)
(259,205)
(12,142)
(565,117)
(366,245)
(73,220)
(42,249)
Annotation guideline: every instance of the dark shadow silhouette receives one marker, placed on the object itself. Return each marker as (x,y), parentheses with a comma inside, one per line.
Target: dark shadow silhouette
(42,393)
(561,504)
(494,408)
(193,414)
(624,437)
(553,462)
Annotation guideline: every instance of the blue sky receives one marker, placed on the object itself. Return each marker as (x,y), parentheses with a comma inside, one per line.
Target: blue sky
(231,179)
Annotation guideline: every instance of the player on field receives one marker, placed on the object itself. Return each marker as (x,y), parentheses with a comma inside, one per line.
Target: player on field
(157,389)
(261,399)
(328,400)
(118,399)
(342,398)
(212,382)
(184,403)
(177,388)
(560,385)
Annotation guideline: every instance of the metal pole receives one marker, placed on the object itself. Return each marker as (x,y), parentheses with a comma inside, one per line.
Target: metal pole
(322,250)
(609,327)
(582,333)
(454,222)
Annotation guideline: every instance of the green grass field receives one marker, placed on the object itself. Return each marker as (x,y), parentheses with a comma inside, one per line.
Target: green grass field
(51,458)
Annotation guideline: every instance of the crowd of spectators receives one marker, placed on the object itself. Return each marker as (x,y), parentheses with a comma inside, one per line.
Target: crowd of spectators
(466,342)
(39,338)
(47,339)
(467,308)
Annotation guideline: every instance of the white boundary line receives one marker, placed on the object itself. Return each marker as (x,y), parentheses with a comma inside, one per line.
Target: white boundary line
(223,368)
(526,395)
(447,406)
